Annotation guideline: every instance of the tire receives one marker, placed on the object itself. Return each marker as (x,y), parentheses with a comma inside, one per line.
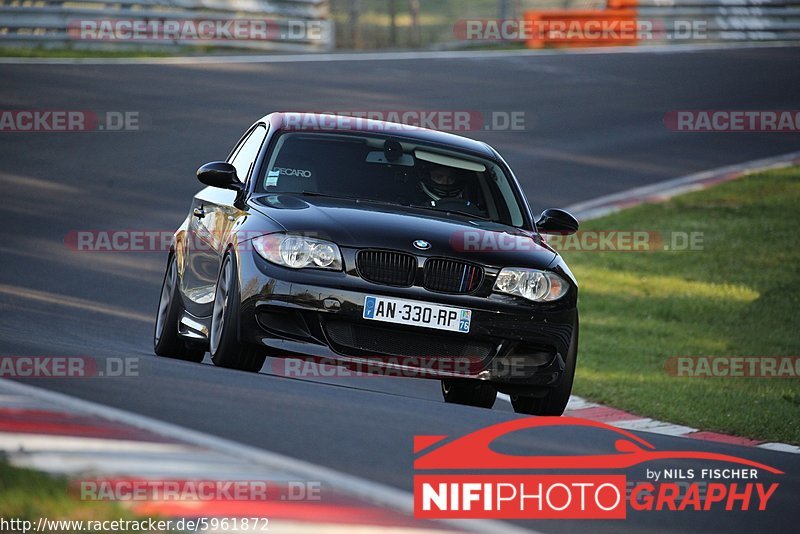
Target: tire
(555,402)
(469,393)
(225,349)
(166,340)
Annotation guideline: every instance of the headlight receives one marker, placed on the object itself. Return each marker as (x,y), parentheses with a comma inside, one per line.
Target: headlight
(538,286)
(298,252)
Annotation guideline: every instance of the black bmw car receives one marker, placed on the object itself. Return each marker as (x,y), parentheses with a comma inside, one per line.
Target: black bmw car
(372,243)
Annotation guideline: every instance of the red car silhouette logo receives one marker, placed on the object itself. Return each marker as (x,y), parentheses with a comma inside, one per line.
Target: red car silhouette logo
(474,452)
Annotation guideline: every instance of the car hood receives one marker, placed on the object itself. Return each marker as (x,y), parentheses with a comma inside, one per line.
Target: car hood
(363,224)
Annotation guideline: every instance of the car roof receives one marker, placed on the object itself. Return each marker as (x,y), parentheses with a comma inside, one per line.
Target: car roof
(309,122)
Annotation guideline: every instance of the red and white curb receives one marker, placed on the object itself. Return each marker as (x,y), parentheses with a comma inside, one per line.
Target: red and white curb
(579,407)
(650,194)
(86,441)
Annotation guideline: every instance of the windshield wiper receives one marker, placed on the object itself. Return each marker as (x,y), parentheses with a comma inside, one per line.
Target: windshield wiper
(389,203)
(323,195)
(456,212)
(326,195)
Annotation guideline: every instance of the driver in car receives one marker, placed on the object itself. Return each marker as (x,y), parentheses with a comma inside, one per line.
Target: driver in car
(441,182)
(446,187)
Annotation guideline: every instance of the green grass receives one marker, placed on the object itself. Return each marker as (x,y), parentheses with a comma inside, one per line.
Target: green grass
(739,296)
(26,494)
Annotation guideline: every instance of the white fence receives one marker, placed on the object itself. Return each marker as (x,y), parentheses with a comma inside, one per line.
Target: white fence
(719,20)
(281,25)
(307,25)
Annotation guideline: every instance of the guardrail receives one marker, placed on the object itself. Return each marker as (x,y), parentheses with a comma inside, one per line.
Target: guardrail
(718,20)
(629,22)
(279,25)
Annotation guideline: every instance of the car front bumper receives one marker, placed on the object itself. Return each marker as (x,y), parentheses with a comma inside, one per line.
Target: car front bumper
(319,314)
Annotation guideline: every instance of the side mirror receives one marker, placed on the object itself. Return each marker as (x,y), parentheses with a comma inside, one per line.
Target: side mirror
(219,174)
(556,221)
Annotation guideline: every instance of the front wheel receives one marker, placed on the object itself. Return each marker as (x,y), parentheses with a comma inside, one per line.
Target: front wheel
(225,349)
(555,402)
(166,340)
(469,393)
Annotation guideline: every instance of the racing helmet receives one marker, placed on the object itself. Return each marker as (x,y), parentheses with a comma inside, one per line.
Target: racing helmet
(441,181)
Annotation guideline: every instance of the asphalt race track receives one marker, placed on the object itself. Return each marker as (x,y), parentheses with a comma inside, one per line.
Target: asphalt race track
(594,125)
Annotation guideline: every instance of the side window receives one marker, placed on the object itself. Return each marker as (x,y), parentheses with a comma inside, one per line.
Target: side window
(248,151)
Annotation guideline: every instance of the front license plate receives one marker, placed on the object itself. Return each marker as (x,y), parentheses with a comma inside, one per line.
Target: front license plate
(415,313)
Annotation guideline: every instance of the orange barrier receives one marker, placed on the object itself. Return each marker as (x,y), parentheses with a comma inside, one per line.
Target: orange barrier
(582,28)
(622,4)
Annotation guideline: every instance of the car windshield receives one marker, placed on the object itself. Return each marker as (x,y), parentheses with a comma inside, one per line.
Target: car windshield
(387,170)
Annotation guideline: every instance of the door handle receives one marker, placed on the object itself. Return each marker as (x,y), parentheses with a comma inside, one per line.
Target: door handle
(199,213)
